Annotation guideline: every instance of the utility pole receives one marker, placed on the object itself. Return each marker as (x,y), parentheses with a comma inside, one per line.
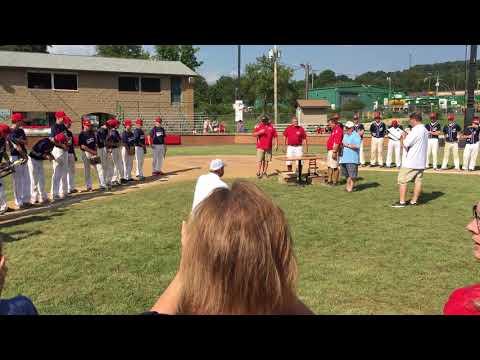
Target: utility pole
(409,60)
(472,80)
(275,55)
(237,89)
(437,84)
(307,67)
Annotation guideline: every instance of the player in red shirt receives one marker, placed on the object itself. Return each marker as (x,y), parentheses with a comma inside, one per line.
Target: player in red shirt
(294,136)
(334,143)
(265,133)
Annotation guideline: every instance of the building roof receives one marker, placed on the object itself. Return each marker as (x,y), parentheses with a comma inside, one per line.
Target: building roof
(313,103)
(17,59)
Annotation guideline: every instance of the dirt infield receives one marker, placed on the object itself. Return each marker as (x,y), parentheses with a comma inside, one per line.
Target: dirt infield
(183,168)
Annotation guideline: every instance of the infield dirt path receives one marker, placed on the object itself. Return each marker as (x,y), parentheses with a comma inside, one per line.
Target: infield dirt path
(180,168)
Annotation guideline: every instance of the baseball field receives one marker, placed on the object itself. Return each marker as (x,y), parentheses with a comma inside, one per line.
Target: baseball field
(114,253)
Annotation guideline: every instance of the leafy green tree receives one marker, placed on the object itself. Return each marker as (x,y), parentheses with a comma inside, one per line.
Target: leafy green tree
(25,48)
(353,105)
(122,51)
(187,54)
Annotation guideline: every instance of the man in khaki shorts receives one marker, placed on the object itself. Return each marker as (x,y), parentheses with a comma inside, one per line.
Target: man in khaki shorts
(415,145)
(334,143)
(265,133)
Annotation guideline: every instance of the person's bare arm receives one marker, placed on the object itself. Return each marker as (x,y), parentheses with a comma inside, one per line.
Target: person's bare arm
(87,149)
(299,308)
(306,144)
(284,143)
(168,302)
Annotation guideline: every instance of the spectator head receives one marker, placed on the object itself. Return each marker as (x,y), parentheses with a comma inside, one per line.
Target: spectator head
(476,121)
(415,118)
(264,119)
(17,119)
(294,121)
(395,123)
(87,125)
(332,123)
(356,118)
(139,123)
(128,124)
(349,125)
(237,256)
(59,116)
(377,116)
(217,166)
(474,228)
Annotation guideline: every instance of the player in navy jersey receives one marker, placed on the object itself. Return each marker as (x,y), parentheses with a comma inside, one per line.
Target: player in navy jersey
(451,132)
(434,129)
(60,154)
(159,148)
(378,130)
(128,149)
(87,141)
(140,148)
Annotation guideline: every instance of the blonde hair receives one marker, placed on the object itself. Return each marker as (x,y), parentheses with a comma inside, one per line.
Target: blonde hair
(238,258)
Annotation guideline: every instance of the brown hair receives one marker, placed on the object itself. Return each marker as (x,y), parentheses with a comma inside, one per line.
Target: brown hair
(2,273)
(238,258)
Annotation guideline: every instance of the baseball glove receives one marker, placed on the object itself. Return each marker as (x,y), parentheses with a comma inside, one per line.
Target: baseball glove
(94,160)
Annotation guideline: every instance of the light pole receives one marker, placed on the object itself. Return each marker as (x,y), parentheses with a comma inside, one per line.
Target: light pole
(237,89)
(389,88)
(275,55)
(472,79)
(307,78)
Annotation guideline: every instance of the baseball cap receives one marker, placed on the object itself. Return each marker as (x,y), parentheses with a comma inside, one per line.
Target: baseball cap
(16,117)
(139,121)
(4,129)
(394,122)
(127,122)
(216,164)
(349,124)
(67,120)
(463,301)
(59,114)
(60,138)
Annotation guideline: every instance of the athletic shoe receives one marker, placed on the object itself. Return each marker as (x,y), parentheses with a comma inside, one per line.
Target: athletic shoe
(161,173)
(73,191)
(155,173)
(412,204)
(381,166)
(398,204)
(371,165)
(435,169)
(141,178)
(259,176)
(103,188)
(130,180)
(123,181)
(265,175)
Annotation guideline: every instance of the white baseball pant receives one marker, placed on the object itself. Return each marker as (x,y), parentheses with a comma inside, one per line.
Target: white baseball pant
(21,183)
(376,150)
(139,159)
(127,163)
(393,147)
(59,174)
(432,149)
(3,198)
(294,151)
(117,165)
(362,156)
(158,153)
(470,156)
(86,170)
(106,163)
(70,175)
(37,177)
(446,154)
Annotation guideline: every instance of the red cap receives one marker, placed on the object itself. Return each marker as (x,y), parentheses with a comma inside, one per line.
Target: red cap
(4,129)
(110,123)
(433,115)
(59,114)
(60,138)
(87,122)
(139,121)
(394,122)
(158,119)
(127,122)
(67,120)
(463,301)
(16,117)
(451,117)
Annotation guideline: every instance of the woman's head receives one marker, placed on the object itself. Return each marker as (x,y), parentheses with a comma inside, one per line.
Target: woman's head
(238,255)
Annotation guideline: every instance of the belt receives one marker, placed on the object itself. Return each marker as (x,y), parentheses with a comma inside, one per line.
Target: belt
(295,145)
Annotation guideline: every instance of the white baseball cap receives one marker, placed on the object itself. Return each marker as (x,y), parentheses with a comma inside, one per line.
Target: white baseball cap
(349,124)
(216,164)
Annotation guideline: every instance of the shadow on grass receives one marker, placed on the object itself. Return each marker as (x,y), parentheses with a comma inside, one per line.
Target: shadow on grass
(18,235)
(25,219)
(179,171)
(365,186)
(427,197)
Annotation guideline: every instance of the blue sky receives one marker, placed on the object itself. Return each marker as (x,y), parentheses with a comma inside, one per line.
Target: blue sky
(345,59)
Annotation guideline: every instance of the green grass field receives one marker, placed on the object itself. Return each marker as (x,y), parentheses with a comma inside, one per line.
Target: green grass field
(356,255)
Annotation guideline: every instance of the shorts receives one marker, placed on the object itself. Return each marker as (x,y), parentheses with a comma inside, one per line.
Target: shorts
(410,175)
(350,170)
(264,155)
(333,164)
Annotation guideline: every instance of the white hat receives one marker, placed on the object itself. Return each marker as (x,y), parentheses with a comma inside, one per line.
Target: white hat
(349,124)
(216,164)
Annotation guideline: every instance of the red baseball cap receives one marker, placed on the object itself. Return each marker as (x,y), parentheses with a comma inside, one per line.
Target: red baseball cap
(4,129)
(60,138)
(158,119)
(127,122)
(464,301)
(110,123)
(16,117)
(394,122)
(139,121)
(451,117)
(59,114)
(67,120)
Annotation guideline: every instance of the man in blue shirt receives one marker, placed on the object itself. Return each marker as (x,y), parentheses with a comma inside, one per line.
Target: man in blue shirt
(351,155)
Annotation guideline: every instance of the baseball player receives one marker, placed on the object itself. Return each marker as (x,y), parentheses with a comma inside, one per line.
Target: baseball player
(42,150)
(394,134)
(17,140)
(88,145)
(101,140)
(451,131)
(114,141)
(360,130)
(128,149)
(471,136)
(294,136)
(60,154)
(434,129)
(140,148)
(69,188)
(4,131)
(377,130)
(159,148)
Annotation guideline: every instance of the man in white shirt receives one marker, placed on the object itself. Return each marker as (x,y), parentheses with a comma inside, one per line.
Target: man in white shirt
(415,145)
(209,182)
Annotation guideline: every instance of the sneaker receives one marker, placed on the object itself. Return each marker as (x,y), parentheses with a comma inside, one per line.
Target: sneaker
(155,173)
(73,191)
(259,176)
(161,173)
(435,169)
(398,204)
(141,178)
(410,203)
(371,165)
(103,188)
(265,175)
(381,166)
(123,181)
